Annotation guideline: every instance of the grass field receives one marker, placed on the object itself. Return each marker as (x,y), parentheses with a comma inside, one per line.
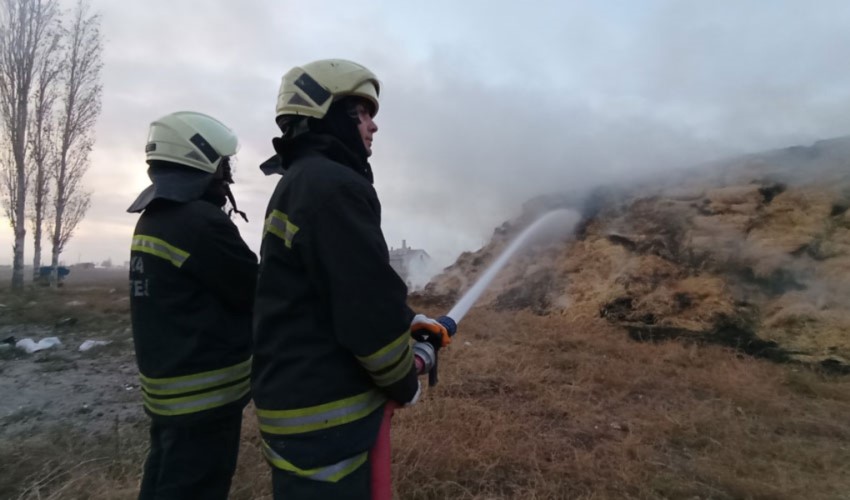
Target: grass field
(528,407)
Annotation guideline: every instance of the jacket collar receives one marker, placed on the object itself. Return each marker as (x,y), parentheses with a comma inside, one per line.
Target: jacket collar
(288,151)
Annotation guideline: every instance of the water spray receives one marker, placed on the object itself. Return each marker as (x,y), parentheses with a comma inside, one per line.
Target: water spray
(561,222)
(563,219)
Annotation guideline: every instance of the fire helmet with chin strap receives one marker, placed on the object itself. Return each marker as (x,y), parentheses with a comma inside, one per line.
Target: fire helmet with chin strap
(185,150)
(306,101)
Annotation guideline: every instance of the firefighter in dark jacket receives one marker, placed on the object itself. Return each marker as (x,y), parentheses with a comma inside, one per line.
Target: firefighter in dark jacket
(192,281)
(331,322)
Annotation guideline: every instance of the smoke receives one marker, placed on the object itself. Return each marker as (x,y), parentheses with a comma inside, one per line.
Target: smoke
(476,115)
(420,272)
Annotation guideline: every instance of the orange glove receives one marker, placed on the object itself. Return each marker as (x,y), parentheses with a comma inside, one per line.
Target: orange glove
(422,322)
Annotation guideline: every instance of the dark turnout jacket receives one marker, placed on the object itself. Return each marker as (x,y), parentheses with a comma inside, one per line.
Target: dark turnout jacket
(331,323)
(192,281)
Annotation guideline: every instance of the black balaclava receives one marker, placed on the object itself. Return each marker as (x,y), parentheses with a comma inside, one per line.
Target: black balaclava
(341,122)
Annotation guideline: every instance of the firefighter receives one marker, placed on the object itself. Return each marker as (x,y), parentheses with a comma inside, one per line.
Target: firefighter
(331,322)
(192,281)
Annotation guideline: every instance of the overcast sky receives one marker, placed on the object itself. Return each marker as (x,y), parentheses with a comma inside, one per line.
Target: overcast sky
(484,104)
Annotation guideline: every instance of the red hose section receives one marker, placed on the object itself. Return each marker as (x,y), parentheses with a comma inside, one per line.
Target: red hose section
(380,456)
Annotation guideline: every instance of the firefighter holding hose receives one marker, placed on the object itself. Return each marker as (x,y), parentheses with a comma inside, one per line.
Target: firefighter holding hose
(332,328)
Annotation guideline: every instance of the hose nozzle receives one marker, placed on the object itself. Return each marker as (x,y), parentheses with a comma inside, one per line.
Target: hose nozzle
(449,323)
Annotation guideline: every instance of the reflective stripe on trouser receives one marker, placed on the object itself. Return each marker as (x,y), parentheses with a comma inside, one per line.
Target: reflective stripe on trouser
(324,416)
(159,248)
(278,224)
(196,392)
(328,473)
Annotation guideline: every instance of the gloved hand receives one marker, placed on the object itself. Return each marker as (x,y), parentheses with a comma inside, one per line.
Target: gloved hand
(429,330)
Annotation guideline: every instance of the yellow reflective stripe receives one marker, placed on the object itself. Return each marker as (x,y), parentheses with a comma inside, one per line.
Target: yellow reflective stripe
(159,248)
(322,416)
(387,355)
(198,402)
(278,224)
(329,473)
(397,373)
(196,381)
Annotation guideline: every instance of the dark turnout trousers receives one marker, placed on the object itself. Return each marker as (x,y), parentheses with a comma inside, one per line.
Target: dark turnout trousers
(194,461)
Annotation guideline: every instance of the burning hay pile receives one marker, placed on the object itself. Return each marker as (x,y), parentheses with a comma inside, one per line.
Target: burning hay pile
(753,253)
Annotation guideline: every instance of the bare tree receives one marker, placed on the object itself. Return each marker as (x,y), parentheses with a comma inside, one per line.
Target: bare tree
(80,93)
(24,39)
(8,178)
(42,144)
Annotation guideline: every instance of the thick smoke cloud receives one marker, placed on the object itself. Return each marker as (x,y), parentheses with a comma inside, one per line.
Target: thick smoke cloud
(484,104)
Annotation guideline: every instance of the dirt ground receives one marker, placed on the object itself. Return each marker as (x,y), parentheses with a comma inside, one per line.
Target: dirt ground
(95,389)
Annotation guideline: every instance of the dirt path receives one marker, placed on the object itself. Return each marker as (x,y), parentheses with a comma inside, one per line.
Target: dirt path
(92,391)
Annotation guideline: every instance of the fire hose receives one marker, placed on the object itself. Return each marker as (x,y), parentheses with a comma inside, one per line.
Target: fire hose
(427,345)
(425,356)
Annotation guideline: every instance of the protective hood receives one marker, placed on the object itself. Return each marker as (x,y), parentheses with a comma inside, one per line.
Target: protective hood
(177,184)
(337,124)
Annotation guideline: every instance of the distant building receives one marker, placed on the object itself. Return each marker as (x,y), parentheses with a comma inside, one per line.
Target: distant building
(412,264)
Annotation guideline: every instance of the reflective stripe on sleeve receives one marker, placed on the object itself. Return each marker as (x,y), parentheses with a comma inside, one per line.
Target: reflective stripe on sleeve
(387,355)
(159,248)
(328,474)
(278,224)
(396,373)
(391,363)
(324,416)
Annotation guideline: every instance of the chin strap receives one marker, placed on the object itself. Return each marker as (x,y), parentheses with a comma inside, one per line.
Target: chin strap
(233,203)
(227,179)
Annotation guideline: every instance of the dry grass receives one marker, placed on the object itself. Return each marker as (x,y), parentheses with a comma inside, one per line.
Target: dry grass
(542,408)
(91,307)
(533,407)
(61,463)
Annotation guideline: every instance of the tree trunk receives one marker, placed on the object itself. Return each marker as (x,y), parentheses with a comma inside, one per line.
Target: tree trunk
(18,256)
(19,150)
(38,223)
(57,245)
(54,271)
(36,251)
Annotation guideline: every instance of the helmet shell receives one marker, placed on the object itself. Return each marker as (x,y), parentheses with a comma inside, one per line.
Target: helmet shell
(192,139)
(309,90)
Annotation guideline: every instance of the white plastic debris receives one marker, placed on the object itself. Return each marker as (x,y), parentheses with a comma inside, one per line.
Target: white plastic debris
(30,346)
(75,303)
(88,344)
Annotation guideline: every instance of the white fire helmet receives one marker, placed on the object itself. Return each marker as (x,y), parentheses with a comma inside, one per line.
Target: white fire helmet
(309,90)
(192,139)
